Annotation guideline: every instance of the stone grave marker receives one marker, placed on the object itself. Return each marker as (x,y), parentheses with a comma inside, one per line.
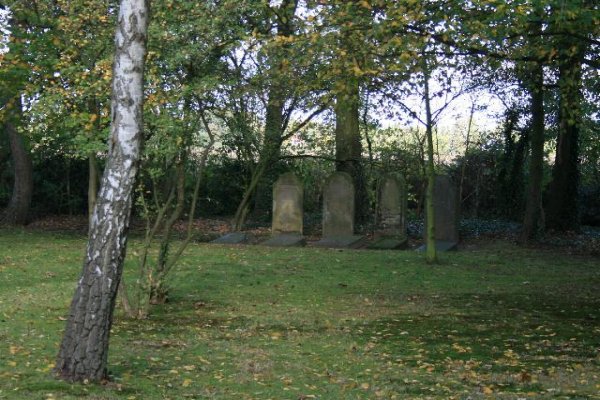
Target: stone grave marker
(390,231)
(338,213)
(286,227)
(447,214)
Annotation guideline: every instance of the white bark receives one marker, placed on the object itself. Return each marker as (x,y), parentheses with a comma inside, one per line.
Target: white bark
(84,349)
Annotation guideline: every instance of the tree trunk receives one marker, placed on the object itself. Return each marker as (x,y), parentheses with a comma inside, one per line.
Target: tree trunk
(158,292)
(269,154)
(348,148)
(431,251)
(466,156)
(17,212)
(92,185)
(563,212)
(505,186)
(274,117)
(84,348)
(533,220)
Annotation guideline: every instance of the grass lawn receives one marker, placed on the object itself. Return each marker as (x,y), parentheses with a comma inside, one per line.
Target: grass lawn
(492,321)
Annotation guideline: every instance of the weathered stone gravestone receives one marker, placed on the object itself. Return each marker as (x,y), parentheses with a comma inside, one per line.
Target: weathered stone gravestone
(338,213)
(390,230)
(288,195)
(286,228)
(447,214)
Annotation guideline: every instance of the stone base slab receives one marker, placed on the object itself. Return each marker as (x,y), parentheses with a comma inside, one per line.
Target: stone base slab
(441,245)
(349,241)
(285,240)
(234,238)
(389,243)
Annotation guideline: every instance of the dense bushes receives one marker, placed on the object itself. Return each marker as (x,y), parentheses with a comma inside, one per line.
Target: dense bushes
(493,176)
(60,186)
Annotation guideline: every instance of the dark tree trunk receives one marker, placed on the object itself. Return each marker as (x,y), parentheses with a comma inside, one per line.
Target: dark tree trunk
(92,185)
(533,221)
(84,348)
(269,154)
(17,212)
(348,148)
(274,126)
(510,177)
(563,211)
(431,251)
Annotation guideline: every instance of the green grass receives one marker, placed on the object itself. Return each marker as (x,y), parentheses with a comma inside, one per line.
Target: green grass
(495,321)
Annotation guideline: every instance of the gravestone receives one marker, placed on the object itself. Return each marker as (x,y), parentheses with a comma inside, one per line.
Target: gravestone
(447,214)
(286,227)
(338,213)
(287,205)
(390,230)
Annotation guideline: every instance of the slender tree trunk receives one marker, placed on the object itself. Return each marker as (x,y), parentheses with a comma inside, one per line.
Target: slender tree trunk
(17,212)
(274,117)
(533,219)
(92,184)
(158,292)
(83,351)
(431,252)
(68,188)
(563,211)
(348,148)
(465,158)
(169,261)
(268,156)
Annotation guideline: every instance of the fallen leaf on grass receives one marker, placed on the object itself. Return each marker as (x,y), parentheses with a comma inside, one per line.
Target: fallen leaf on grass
(203,360)
(524,377)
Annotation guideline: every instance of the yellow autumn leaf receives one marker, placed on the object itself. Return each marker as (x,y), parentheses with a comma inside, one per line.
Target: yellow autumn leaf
(203,360)
(487,390)
(357,71)
(276,335)
(186,382)
(365,386)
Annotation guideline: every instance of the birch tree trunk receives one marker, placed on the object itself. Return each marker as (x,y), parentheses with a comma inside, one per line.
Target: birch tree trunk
(84,348)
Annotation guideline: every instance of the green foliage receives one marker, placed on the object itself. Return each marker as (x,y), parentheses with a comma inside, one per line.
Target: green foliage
(65,50)
(267,323)
(226,65)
